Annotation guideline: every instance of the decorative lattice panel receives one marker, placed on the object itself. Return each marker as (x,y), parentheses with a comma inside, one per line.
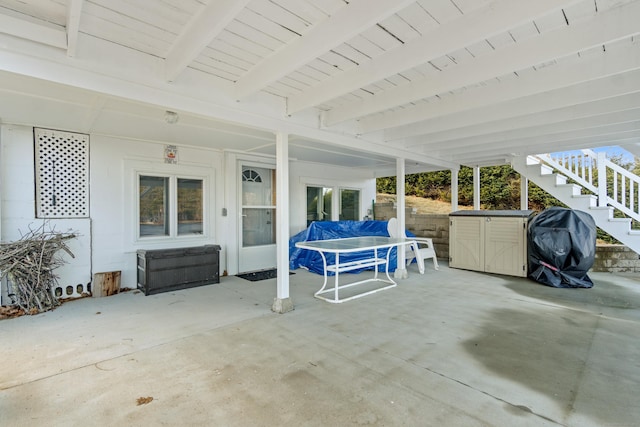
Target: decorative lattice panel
(62,174)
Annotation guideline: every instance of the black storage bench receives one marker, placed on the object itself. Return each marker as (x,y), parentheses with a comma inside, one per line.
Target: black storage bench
(163,270)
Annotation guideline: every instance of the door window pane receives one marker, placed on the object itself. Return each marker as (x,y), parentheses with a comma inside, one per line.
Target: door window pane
(349,204)
(258,226)
(154,206)
(318,204)
(190,206)
(258,187)
(258,212)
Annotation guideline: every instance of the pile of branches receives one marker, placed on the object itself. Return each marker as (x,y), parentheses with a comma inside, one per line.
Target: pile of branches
(29,264)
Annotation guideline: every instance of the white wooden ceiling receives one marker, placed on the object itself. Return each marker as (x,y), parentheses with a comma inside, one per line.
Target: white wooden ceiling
(358,82)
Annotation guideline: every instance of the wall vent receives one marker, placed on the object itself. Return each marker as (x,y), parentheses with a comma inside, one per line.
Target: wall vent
(62,174)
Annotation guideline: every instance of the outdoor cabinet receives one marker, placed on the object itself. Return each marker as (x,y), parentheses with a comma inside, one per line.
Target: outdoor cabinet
(163,270)
(489,241)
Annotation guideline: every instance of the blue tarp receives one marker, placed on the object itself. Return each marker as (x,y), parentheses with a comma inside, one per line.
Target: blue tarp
(323,230)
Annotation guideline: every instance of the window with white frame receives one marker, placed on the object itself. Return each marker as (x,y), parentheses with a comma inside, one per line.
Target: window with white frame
(349,204)
(320,200)
(170,205)
(319,204)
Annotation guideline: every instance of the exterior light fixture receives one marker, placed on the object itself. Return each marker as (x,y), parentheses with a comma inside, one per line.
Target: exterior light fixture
(171,117)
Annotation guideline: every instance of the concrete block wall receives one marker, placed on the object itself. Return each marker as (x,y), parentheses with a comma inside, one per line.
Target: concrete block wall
(609,258)
(616,259)
(435,226)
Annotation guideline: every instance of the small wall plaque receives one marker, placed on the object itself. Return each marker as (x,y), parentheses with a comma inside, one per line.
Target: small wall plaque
(171,154)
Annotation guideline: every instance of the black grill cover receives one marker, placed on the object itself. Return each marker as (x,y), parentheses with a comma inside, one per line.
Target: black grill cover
(561,248)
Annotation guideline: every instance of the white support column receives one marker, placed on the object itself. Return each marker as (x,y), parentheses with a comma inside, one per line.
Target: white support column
(401,270)
(524,193)
(454,189)
(282,303)
(476,187)
(602,179)
(3,168)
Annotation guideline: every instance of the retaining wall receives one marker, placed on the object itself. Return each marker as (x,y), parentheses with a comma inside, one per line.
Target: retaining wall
(616,259)
(609,258)
(434,226)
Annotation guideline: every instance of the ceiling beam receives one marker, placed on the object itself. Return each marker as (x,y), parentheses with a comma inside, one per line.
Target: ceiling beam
(346,23)
(155,92)
(611,62)
(199,33)
(493,159)
(74,12)
(47,35)
(489,158)
(549,144)
(613,24)
(489,162)
(475,26)
(607,90)
(614,105)
(577,128)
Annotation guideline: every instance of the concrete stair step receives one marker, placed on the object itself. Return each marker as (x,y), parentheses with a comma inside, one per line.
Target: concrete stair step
(551,180)
(616,226)
(560,179)
(571,190)
(531,161)
(589,200)
(603,212)
(620,220)
(546,170)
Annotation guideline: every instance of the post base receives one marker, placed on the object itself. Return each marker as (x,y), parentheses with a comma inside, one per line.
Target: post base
(400,273)
(282,305)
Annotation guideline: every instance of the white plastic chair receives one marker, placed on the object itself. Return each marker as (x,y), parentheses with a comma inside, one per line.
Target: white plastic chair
(425,249)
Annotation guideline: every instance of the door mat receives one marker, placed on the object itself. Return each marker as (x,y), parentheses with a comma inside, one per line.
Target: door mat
(255,276)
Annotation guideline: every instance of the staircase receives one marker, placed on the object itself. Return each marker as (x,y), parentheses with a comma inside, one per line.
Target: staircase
(588,191)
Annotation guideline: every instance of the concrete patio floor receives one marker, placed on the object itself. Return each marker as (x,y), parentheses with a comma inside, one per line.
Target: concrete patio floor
(450,348)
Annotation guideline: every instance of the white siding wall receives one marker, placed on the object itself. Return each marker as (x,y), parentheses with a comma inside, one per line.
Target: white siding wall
(302,174)
(18,208)
(114,166)
(18,202)
(108,240)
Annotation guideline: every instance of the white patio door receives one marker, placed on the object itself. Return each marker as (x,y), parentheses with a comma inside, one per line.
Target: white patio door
(258,218)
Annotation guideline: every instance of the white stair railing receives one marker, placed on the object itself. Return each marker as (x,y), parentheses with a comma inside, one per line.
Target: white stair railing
(612,184)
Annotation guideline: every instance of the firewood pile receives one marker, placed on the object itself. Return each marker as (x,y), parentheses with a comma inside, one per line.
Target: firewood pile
(29,264)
